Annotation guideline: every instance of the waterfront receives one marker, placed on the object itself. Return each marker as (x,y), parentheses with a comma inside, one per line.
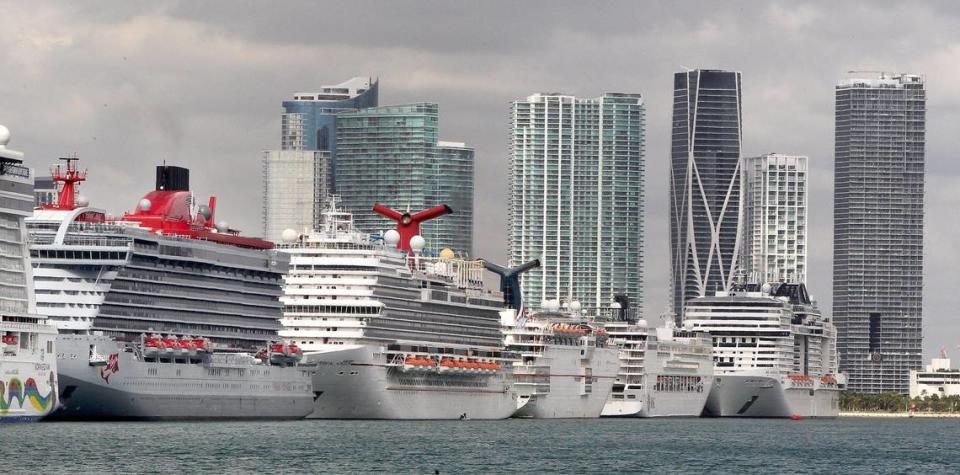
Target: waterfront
(845,445)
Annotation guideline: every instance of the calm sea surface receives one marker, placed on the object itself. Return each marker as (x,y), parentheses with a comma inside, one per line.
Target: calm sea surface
(601,446)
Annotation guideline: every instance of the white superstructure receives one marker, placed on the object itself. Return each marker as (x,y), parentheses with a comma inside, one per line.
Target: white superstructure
(938,378)
(566,367)
(394,336)
(28,364)
(664,372)
(774,354)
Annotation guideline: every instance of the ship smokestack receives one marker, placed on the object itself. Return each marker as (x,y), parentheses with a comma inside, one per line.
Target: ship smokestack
(172,178)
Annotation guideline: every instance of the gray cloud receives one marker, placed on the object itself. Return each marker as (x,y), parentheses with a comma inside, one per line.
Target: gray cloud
(129,84)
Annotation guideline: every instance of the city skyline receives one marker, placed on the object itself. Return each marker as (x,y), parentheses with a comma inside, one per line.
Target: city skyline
(122,111)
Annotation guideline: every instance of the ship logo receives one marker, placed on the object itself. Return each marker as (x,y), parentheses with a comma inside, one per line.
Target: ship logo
(112,366)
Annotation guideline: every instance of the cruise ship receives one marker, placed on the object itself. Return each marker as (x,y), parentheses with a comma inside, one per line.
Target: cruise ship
(28,364)
(161,312)
(664,371)
(565,368)
(394,333)
(774,354)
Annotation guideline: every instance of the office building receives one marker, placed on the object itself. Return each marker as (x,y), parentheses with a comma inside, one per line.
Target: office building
(390,155)
(775,218)
(309,120)
(878,228)
(296,185)
(577,198)
(705,201)
(298,178)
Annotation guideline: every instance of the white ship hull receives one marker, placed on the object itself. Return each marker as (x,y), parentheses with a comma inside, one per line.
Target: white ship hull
(652,403)
(28,391)
(567,394)
(130,388)
(766,396)
(355,382)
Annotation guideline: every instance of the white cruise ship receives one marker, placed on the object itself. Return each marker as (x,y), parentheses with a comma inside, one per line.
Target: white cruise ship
(566,368)
(664,372)
(28,362)
(774,353)
(394,335)
(160,311)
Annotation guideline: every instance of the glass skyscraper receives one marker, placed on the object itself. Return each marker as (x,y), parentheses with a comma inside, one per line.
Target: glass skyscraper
(705,201)
(775,218)
(298,178)
(878,228)
(390,155)
(296,184)
(577,198)
(309,120)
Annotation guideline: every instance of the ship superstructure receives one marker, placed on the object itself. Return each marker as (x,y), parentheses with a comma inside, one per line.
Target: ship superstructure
(566,367)
(774,353)
(394,334)
(28,364)
(664,371)
(164,277)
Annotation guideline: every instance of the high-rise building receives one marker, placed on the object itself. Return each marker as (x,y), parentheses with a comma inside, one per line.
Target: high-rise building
(298,178)
(577,197)
(878,228)
(775,218)
(309,120)
(705,204)
(390,155)
(296,184)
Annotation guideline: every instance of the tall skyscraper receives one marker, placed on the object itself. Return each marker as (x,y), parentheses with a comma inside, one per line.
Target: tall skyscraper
(390,155)
(705,204)
(309,120)
(576,197)
(296,183)
(878,228)
(775,218)
(298,178)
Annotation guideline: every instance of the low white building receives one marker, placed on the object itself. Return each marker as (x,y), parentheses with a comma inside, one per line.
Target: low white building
(939,378)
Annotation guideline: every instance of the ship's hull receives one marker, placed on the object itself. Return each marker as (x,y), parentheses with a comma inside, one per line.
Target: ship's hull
(649,402)
(568,395)
(766,396)
(355,382)
(129,388)
(28,391)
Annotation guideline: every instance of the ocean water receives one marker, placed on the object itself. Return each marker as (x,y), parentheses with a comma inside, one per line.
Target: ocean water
(846,445)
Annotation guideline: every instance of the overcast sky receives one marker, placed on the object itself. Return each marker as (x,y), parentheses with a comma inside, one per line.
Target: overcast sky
(129,84)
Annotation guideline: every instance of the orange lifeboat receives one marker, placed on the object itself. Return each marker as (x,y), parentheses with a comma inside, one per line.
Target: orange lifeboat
(152,345)
(170,344)
(186,346)
(202,345)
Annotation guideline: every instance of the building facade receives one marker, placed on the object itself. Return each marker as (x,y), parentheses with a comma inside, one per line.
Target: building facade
(299,177)
(880,139)
(705,201)
(296,184)
(775,218)
(309,120)
(577,198)
(390,155)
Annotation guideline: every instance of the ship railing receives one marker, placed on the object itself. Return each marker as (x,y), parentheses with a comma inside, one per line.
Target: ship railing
(463,273)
